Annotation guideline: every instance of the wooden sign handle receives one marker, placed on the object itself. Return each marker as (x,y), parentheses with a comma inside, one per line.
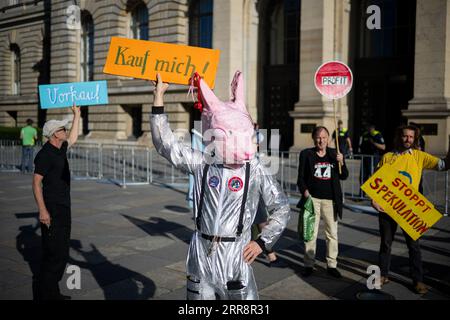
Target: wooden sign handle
(337,134)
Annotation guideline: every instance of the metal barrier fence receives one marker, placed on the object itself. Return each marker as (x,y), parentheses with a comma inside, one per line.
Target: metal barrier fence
(11,155)
(134,165)
(120,164)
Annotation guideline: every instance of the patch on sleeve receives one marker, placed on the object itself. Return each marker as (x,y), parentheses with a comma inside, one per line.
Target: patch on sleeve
(213,181)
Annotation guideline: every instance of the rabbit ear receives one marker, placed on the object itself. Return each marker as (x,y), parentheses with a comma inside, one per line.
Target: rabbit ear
(209,98)
(237,88)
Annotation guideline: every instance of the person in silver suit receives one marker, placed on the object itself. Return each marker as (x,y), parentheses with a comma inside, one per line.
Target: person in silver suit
(226,196)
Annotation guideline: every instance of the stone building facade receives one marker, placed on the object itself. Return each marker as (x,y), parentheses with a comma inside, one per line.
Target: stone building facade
(401,70)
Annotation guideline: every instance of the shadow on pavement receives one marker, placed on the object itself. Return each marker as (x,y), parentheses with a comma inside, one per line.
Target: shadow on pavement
(156,226)
(434,272)
(401,239)
(178,209)
(132,284)
(28,244)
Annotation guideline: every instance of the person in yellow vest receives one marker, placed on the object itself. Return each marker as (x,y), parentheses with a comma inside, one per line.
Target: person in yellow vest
(345,143)
(410,162)
(28,135)
(371,144)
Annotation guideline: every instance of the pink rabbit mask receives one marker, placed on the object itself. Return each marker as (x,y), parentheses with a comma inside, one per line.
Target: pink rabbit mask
(227,126)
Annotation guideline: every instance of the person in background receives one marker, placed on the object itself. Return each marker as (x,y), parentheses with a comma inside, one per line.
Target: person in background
(28,135)
(318,177)
(51,188)
(345,143)
(409,161)
(372,146)
(421,140)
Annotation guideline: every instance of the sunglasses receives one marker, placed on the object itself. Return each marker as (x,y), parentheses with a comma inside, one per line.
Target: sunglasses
(62,129)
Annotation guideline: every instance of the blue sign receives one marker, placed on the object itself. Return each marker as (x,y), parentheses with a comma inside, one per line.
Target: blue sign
(66,94)
(213,181)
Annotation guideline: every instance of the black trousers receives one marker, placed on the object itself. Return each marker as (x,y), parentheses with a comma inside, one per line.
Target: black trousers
(387,230)
(55,251)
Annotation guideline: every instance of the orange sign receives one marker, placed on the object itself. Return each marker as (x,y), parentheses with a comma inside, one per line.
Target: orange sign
(176,63)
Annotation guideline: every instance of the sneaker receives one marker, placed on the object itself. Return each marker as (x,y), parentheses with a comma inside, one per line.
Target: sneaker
(334,273)
(307,271)
(278,264)
(420,288)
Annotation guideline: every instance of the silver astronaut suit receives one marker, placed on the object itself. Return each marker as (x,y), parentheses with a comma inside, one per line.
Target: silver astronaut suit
(215,264)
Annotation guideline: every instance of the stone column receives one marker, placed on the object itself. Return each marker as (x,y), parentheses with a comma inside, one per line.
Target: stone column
(64,52)
(227,37)
(431,102)
(323,37)
(235,34)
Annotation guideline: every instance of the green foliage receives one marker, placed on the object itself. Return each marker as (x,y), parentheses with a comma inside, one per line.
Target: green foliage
(13,133)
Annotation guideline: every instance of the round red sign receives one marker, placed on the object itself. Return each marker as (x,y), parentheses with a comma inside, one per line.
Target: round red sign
(333,79)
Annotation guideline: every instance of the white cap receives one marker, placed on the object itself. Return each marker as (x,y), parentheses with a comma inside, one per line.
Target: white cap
(51,126)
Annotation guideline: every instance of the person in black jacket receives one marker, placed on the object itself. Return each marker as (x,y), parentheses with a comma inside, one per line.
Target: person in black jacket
(318,177)
(51,188)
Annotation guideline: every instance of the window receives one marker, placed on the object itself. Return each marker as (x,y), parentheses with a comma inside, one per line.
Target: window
(200,23)
(284,32)
(15,69)
(139,22)
(136,115)
(396,36)
(12,118)
(133,121)
(292,31)
(277,34)
(86,48)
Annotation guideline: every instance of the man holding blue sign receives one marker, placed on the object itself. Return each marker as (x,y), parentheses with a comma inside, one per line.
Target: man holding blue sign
(51,188)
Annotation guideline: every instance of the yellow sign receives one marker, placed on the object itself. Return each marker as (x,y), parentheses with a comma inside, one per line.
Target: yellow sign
(176,63)
(407,206)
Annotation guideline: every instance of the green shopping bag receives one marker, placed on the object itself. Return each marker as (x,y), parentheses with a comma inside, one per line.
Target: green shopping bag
(306,220)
